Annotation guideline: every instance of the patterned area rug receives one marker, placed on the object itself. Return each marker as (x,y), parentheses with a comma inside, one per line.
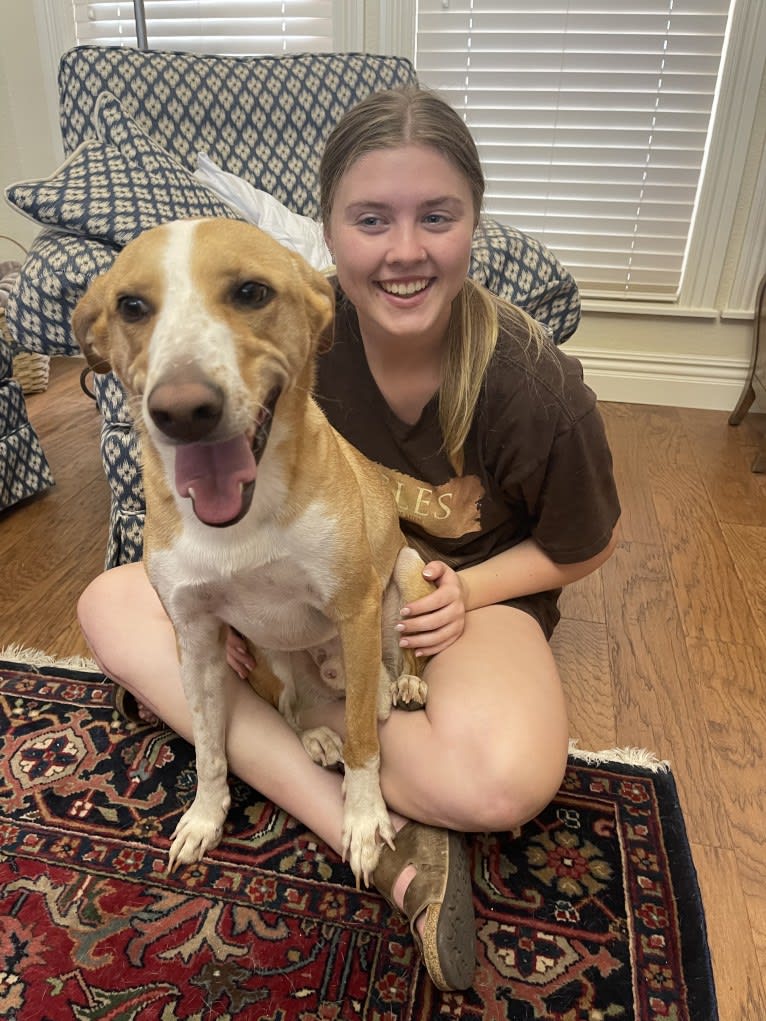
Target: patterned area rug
(593,914)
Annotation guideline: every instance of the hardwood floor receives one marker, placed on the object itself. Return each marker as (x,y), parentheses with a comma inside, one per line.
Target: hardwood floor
(664,649)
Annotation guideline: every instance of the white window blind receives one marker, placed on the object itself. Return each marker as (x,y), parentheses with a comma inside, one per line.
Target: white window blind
(234,27)
(591,118)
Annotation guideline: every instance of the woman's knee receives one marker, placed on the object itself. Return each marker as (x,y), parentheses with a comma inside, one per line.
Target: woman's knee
(507,732)
(91,607)
(115,607)
(513,785)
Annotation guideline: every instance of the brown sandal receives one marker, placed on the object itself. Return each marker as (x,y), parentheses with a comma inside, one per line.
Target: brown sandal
(441,888)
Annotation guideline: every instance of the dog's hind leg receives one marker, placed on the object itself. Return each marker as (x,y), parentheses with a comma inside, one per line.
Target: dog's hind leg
(294,673)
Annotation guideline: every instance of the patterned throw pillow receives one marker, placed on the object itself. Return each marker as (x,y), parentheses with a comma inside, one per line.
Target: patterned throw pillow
(114,187)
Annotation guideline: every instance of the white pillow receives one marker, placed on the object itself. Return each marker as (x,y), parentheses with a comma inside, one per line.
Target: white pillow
(299,233)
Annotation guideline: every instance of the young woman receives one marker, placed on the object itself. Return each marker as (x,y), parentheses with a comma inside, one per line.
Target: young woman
(502,475)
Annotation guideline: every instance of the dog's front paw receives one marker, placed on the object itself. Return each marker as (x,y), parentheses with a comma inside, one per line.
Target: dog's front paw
(362,843)
(195,834)
(323,745)
(366,822)
(409,691)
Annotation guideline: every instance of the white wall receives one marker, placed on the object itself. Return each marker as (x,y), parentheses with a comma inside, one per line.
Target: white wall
(28,146)
(689,362)
(698,361)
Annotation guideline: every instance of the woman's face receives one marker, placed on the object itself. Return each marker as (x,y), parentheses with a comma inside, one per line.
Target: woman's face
(400,232)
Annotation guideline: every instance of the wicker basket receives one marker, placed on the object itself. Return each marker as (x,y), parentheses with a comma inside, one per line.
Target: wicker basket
(30,370)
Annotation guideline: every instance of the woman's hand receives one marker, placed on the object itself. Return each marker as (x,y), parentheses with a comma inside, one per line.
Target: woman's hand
(238,654)
(431,624)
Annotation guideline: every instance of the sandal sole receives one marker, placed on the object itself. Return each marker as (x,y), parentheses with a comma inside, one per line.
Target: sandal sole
(449,936)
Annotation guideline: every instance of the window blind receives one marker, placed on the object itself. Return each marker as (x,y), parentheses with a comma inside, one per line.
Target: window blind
(591,118)
(234,27)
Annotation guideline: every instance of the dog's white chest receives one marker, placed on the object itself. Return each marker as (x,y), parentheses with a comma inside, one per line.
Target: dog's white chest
(275,584)
(280,605)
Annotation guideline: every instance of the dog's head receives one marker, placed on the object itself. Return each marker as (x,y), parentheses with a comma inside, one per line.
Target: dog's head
(207,323)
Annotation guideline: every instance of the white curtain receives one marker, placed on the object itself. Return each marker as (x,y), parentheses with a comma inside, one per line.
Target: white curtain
(235,27)
(592,120)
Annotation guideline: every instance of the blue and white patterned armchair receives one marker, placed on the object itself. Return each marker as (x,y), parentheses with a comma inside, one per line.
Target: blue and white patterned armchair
(133,124)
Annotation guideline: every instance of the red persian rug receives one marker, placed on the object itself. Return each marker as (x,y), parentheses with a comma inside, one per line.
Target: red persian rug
(593,914)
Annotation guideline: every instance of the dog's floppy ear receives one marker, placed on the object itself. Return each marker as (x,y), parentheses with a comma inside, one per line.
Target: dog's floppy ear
(320,304)
(89,322)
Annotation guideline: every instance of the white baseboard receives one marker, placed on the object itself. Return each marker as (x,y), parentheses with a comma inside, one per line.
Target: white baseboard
(673,380)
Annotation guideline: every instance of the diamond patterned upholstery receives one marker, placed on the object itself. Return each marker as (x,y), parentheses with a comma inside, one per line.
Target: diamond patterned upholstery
(24,469)
(264,119)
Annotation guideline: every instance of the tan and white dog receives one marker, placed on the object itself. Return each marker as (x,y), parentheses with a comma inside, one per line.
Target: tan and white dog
(258,514)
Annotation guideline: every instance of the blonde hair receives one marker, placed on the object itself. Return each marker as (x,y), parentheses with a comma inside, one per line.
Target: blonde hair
(413,115)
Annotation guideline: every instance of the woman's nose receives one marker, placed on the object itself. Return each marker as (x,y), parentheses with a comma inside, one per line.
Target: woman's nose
(406,245)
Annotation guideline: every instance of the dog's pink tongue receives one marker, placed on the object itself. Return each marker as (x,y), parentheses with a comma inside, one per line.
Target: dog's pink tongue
(213,475)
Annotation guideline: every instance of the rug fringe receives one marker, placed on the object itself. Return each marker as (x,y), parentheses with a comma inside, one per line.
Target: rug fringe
(628,756)
(36,658)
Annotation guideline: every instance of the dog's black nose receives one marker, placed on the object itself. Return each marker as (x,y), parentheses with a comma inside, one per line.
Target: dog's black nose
(186,410)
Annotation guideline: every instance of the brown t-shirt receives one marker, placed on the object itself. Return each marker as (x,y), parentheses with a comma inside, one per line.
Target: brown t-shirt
(536,458)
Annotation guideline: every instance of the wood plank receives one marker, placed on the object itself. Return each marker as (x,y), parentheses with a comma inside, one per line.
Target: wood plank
(724,455)
(729,689)
(584,599)
(53,544)
(706,584)
(581,650)
(627,428)
(747,547)
(655,702)
(47,549)
(740,987)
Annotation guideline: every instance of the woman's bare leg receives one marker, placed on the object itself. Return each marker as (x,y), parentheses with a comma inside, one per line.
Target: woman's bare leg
(488,753)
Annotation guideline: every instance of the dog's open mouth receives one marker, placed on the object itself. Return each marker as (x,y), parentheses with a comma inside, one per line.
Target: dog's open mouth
(220,477)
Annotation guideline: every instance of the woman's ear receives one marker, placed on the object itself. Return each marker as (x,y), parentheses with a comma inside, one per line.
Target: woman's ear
(328,242)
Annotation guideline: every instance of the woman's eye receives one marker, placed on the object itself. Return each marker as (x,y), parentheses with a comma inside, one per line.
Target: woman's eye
(369,221)
(132,309)
(253,294)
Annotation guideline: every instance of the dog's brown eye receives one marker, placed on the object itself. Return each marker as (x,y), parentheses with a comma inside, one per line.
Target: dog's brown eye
(132,309)
(252,294)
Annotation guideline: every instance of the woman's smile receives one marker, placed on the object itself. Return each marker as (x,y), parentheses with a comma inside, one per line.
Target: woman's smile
(405,288)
